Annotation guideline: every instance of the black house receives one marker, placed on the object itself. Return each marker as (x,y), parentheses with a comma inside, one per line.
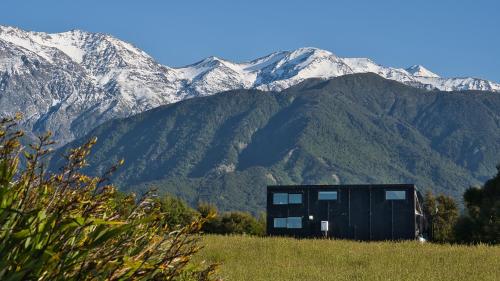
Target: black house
(360,212)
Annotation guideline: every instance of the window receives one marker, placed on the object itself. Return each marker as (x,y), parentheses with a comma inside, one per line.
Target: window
(280,198)
(279,223)
(290,222)
(295,198)
(395,195)
(327,195)
(285,198)
(294,222)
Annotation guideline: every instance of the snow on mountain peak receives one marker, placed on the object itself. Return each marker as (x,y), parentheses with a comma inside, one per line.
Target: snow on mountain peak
(76,75)
(420,71)
(46,45)
(310,51)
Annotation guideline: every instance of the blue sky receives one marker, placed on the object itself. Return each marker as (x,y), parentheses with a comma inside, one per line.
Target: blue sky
(452,38)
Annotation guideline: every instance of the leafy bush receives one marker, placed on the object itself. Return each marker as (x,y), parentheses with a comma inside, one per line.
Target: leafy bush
(442,215)
(482,222)
(212,221)
(231,222)
(69,226)
(178,213)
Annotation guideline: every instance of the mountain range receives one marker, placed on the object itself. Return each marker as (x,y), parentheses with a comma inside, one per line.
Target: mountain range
(357,128)
(71,82)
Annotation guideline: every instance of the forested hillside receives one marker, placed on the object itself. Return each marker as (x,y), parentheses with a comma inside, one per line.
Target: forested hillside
(357,128)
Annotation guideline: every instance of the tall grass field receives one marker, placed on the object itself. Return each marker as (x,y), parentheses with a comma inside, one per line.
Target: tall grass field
(276,259)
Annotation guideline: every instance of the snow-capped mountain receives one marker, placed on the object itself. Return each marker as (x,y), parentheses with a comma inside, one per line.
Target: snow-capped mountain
(420,71)
(71,82)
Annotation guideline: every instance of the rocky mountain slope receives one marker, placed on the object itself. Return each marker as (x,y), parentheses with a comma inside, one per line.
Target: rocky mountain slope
(71,82)
(357,128)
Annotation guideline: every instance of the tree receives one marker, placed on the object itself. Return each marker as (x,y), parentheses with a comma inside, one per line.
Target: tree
(482,222)
(445,218)
(230,222)
(442,214)
(177,212)
(429,209)
(209,213)
(240,223)
(69,226)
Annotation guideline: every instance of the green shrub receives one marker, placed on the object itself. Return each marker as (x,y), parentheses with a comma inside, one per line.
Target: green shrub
(210,214)
(177,212)
(240,223)
(231,222)
(442,215)
(69,226)
(482,221)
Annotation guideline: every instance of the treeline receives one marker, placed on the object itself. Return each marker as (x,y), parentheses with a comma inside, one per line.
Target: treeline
(444,223)
(178,213)
(480,221)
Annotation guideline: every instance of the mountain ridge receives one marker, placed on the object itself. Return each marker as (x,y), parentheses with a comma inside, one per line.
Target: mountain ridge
(357,128)
(72,81)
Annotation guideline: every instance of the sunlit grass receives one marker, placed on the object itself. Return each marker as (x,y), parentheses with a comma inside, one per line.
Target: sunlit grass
(254,258)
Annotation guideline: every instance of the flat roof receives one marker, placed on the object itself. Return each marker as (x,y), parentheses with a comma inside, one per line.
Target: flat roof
(390,185)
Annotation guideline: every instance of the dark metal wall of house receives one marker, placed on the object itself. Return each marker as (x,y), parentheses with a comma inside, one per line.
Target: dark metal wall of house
(360,212)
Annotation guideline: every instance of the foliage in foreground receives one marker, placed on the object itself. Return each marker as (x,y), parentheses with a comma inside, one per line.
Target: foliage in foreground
(69,226)
(287,259)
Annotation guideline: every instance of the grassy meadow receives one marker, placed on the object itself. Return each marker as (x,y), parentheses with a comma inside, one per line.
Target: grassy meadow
(276,259)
